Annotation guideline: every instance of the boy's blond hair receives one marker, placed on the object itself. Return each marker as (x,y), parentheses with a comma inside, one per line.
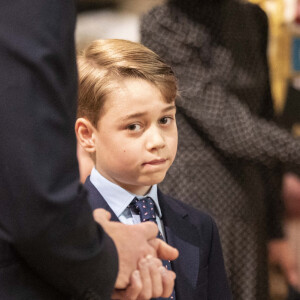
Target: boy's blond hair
(105,62)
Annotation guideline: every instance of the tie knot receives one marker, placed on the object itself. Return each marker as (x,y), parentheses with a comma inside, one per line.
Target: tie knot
(145,207)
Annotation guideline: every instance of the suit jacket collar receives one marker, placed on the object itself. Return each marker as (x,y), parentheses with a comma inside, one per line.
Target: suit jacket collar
(180,233)
(97,201)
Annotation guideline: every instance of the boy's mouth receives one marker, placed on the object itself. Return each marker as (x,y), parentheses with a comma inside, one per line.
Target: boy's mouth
(155,162)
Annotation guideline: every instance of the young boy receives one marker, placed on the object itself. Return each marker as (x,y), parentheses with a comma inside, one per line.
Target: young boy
(126,122)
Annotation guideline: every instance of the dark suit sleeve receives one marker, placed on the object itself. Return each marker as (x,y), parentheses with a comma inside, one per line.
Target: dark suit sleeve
(44,212)
(218,287)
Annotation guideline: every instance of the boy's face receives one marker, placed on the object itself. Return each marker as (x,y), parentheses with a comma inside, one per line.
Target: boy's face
(136,136)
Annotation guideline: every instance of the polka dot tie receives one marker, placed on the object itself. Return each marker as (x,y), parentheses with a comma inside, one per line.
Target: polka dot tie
(145,207)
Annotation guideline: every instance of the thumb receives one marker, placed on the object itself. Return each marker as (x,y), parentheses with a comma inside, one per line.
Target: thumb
(164,251)
(289,267)
(288,264)
(101,215)
(293,277)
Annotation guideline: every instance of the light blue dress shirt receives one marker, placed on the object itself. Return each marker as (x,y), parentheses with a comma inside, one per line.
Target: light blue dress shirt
(118,199)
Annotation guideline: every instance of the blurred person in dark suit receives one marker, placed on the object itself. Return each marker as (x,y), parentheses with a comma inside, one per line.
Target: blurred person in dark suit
(50,245)
(230,151)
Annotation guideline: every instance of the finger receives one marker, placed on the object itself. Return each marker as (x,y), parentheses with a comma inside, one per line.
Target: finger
(288,263)
(149,230)
(154,261)
(101,215)
(133,290)
(168,278)
(164,251)
(156,277)
(290,269)
(293,277)
(135,287)
(146,291)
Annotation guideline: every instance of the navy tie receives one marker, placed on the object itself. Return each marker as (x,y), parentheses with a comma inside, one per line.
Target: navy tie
(145,207)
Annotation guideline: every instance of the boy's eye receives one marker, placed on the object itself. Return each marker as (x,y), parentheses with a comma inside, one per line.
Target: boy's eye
(165,120)
(134,127)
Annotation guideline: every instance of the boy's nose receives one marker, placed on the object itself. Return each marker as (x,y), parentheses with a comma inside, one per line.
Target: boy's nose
(155,139)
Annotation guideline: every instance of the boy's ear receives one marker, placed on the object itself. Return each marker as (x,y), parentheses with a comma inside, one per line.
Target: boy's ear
(85,134)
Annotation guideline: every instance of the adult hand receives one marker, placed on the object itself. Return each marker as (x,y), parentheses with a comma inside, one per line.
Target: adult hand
(133,242)
(281,253)
(151,280)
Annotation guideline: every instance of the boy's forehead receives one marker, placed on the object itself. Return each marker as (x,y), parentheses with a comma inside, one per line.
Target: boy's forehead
(133,88)
(134,96)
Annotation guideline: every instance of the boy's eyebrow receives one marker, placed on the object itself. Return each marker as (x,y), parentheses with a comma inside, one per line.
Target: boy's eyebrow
(170,107)
(137,115)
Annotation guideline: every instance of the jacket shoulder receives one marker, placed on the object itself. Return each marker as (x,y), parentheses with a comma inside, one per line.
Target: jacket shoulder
(200,219)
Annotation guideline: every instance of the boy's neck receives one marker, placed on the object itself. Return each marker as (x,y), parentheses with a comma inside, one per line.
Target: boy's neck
(144,191)
(133,189)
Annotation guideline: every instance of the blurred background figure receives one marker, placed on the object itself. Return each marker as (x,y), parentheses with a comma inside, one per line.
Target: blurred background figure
(243,188)
(291,196)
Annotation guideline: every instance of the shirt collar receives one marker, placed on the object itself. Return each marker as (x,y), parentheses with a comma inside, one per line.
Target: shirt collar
(118,198)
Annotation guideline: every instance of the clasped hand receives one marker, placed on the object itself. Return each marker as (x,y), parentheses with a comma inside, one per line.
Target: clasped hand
(141,274)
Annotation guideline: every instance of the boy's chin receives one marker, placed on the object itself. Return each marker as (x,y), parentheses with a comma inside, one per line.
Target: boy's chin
(155,179)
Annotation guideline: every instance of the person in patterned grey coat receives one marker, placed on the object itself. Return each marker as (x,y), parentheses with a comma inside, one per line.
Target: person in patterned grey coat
(230,152)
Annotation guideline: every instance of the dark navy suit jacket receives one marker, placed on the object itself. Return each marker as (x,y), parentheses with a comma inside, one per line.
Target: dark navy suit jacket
(50,245)
(200,267)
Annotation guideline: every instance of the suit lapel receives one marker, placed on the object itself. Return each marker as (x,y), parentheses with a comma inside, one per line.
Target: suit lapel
(97,201)
(181,234)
